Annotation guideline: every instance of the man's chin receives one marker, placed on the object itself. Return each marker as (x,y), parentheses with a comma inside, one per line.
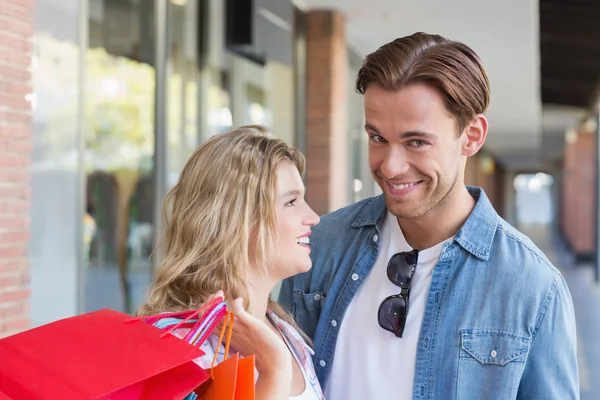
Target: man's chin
(403,209)
(406,214)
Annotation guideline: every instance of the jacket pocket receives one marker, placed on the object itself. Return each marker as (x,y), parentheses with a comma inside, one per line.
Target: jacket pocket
(307,310)
(491,363)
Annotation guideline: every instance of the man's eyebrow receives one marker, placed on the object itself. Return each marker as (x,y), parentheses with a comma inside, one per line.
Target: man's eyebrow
(368,126)
(413,134)
(404,135)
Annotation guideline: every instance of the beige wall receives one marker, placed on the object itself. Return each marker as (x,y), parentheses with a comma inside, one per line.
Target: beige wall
(280,100)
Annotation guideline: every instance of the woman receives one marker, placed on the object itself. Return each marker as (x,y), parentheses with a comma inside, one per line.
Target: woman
(237,221)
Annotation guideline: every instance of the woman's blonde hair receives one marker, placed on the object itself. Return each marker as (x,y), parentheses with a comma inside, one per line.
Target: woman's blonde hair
(219,219)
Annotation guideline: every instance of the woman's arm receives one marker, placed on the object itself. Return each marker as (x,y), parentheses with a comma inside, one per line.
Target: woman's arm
(273,385)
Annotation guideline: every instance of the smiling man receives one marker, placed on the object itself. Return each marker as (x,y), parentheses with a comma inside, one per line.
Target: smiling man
(425,292)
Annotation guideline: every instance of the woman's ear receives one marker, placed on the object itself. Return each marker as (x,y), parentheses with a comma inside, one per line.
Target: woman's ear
(475,134)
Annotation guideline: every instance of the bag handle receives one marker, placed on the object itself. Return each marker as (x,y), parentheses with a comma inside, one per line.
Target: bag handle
(227,323)
(151,319)
(197,326)
(202,330)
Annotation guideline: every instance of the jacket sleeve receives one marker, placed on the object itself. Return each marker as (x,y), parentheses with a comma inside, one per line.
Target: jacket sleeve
(551,371)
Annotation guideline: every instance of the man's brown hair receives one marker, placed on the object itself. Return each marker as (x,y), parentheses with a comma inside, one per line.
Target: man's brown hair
(450,67)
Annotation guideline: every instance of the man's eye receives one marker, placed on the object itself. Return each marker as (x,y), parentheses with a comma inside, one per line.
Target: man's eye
(377,139)
(418,143)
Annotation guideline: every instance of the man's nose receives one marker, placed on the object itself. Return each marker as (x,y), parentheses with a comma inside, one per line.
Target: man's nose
(395,163)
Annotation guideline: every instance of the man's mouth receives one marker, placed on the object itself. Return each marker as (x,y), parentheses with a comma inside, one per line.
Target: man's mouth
(402,189)
(404,185)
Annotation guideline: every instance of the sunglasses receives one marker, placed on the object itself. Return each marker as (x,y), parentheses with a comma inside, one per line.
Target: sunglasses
(394,309)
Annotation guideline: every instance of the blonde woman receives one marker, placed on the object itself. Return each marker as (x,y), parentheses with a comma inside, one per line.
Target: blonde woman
(237,221)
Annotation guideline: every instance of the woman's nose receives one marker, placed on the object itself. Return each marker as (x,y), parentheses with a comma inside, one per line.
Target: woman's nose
(313,218)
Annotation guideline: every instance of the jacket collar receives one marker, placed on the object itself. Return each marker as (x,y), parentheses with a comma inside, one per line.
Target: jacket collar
(475,236)
(371,213)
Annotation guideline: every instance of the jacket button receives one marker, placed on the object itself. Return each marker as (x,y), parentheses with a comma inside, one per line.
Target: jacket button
(333,323)
(322,363)
(317,297)
(354,277)
(493,354)
(375,238)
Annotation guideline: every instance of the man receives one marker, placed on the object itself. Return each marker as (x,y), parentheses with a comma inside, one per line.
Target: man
(425,292)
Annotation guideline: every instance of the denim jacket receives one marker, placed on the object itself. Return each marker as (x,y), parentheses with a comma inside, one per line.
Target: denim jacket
(498,323)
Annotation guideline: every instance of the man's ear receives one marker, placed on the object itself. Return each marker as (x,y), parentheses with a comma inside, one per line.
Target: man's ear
(474,135)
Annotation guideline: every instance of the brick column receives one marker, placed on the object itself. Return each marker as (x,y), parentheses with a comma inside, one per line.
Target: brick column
(16,20)
(578,193)
(326,128)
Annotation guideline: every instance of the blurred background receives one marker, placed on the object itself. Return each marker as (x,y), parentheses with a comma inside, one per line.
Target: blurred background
(102,101)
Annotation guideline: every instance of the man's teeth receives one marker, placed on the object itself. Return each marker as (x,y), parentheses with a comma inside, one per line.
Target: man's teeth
(404,185)
(302,240)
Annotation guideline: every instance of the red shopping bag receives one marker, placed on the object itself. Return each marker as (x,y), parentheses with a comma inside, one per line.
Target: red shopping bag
(98,356)
(233,378)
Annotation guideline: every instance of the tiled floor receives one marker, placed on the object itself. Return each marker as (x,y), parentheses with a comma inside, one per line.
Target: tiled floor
(586,299)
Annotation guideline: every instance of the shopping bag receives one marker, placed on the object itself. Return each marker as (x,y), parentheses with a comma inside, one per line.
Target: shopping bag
(200,322)
(98,356)
(231,379)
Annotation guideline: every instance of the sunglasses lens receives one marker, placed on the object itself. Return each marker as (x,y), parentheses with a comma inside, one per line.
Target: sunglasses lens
(400,268)
(391,314)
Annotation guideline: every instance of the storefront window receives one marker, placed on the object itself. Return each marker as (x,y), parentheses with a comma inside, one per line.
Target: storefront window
(256,110)
(55,189)
(119,154)
(182,103)
(218,99)
(96,171)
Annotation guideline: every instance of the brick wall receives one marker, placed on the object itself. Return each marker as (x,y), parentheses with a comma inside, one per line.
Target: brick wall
(578,194)
(326,122)
(16,19)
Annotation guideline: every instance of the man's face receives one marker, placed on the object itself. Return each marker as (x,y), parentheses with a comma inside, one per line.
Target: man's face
(415,151)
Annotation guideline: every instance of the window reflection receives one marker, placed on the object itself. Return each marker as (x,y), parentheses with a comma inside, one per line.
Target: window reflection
(53,246)
(220,117)
(182,116)
(119,142)
(256,108)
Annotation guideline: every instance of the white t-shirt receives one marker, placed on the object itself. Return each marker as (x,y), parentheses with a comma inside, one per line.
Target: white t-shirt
(370,362)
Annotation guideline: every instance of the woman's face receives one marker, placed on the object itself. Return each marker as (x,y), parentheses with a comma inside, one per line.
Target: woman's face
(294,220)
